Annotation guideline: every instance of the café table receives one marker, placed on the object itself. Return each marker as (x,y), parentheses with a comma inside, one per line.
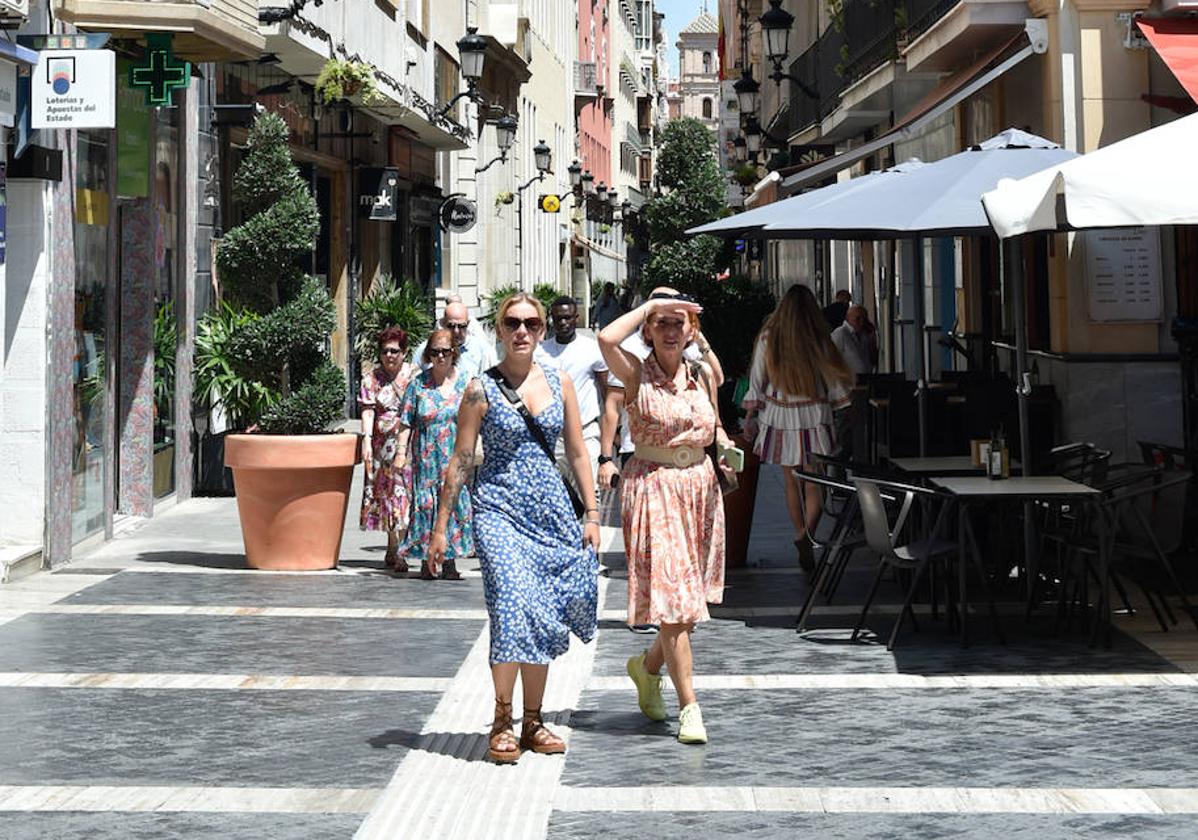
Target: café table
(970,491)
(943,465)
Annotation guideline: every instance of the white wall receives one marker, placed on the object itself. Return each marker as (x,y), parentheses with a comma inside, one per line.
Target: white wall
(23,289)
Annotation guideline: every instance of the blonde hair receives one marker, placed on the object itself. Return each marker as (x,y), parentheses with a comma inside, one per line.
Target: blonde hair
(800,358)
(512,300)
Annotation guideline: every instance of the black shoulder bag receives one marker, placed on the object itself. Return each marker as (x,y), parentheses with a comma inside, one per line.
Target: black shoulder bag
(537,434)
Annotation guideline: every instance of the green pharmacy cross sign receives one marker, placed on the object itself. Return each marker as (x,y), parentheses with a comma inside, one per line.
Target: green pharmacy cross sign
(159,73)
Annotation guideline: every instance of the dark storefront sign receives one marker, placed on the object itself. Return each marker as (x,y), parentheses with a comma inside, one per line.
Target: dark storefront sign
(378,191)
(458,214)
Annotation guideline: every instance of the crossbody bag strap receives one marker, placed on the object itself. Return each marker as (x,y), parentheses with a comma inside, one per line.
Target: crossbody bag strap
(536,431)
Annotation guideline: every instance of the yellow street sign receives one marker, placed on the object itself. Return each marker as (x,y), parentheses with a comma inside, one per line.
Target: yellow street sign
(550,203)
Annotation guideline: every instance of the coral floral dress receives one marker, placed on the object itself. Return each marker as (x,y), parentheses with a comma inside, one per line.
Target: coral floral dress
(673,517)
(386,500)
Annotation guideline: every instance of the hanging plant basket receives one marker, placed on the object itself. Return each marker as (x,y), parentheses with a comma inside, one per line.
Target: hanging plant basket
(346,80)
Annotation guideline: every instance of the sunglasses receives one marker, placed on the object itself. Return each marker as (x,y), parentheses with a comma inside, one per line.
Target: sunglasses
(533,325)
(456,325)
(440,352)
(672,296)
(391,351)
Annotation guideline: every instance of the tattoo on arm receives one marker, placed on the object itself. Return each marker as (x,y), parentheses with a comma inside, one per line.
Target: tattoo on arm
(475,395)
(455,480)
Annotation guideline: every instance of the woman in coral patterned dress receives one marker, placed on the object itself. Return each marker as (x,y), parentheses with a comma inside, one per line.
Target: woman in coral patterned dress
(385,495)
(430,410)
(673,513)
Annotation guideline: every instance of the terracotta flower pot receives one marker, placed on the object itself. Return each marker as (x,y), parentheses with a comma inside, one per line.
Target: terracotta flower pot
(292,493)
(738,508)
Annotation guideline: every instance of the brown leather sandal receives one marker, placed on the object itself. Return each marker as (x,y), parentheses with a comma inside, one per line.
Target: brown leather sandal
(502,734)
(449,571)
(536,736)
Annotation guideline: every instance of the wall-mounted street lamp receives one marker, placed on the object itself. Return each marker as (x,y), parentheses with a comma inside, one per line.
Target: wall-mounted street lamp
(587,182)
(542,155)
(755,136)
(740,149)
(775,25)
(574,170)
(472,48)
(748,92)
(601,192)
(505,135)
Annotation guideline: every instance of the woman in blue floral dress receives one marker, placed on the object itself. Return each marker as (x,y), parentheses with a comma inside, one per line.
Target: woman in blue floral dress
(430,410)
(539,566)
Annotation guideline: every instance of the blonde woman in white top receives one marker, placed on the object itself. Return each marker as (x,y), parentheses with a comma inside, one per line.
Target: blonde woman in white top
(798,377)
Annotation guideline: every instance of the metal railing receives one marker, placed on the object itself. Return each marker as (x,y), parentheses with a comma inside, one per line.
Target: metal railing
(922,15)
(871,30)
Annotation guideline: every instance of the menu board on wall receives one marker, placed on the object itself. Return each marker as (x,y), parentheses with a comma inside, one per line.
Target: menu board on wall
(1123,274)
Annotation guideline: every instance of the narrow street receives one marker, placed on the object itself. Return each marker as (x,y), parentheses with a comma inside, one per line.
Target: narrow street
(155,688)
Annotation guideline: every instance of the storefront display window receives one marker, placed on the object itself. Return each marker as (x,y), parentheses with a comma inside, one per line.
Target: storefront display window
(91,279)
(166,223)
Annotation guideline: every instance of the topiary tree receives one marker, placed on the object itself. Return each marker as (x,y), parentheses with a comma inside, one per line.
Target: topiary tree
(281,349)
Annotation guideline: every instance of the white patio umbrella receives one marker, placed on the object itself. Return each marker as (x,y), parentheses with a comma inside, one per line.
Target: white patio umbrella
(1147,179)
(750,222)
(934,199)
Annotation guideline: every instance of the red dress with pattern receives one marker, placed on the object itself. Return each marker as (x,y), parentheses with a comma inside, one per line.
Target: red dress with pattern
(673,517)
(386,500)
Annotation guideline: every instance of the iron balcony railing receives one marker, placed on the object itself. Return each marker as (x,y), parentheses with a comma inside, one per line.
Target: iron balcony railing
(871,36)
(922,15)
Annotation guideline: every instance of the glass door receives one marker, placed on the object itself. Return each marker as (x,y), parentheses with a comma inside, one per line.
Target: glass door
(91,341)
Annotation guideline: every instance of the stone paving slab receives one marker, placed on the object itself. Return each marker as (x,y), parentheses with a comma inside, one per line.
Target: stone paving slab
(1093,737)
(156,826)
(771,646)
(276,590)
(241,644)
(219,738)
(771,825)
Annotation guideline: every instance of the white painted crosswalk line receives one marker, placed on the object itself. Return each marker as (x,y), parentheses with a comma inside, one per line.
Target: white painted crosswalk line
(875,800)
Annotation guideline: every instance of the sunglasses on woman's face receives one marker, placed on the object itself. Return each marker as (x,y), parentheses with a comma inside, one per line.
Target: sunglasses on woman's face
(440,352)
(391,351)
(533,325)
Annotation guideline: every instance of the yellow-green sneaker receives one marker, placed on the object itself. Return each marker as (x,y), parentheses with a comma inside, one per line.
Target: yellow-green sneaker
(690,725)
(648,688)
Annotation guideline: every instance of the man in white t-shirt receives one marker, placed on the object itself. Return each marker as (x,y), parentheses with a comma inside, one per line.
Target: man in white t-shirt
(579,358)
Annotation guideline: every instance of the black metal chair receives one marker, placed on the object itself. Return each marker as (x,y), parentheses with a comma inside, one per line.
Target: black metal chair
(882,537)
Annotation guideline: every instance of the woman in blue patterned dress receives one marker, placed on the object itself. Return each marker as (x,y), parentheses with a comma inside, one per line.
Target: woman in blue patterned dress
(539,566)
(430,410)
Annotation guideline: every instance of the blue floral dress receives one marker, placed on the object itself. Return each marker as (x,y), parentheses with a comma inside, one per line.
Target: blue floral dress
(433,419)
(540,582)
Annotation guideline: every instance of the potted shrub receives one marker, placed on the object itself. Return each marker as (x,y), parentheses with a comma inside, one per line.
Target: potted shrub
(345,80)
(292,476)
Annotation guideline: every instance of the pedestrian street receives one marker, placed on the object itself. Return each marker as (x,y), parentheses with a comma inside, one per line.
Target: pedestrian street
(156,688)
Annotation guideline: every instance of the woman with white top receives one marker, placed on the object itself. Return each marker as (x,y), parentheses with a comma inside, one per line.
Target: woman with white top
(797,379)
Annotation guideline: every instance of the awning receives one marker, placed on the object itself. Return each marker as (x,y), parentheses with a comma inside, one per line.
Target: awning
(766,191)
(1176,42)
(17,54)
(945,96)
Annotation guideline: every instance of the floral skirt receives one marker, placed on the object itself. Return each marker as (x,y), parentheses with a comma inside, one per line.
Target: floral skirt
(387,498)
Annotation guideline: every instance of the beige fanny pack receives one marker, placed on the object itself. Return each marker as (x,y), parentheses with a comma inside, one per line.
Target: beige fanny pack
(670,456)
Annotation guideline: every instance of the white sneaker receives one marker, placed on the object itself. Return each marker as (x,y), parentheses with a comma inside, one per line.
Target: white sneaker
(690,725)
